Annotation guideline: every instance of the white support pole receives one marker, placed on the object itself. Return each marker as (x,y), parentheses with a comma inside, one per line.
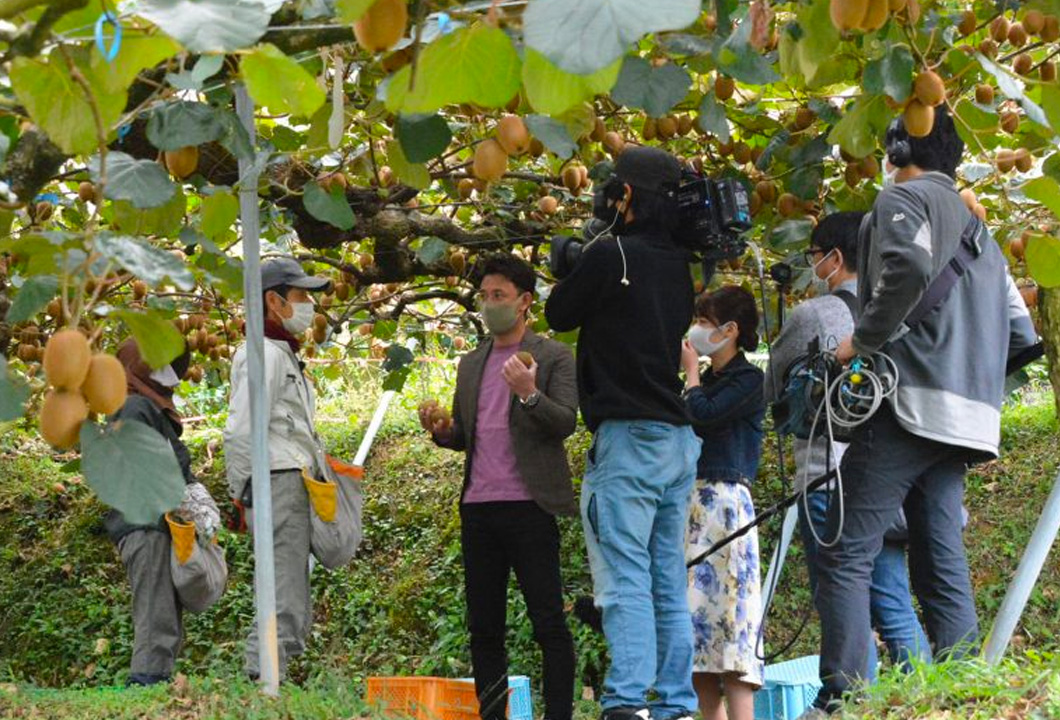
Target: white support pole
(780,552)
(264,562)
(373,428)
(1030,567)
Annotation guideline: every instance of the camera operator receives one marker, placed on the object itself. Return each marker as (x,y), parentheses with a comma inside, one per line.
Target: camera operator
(936,296)
(631,296)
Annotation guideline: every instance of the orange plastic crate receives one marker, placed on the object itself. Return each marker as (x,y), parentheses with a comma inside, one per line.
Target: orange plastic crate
(424,698)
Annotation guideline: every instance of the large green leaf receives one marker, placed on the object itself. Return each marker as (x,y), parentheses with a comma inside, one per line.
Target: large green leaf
(553,91)
(205,67)
(1043,259)
(59,105)
(423,137)
(1045,190)
(791,232)
(160,342)
(475,64)
(588,35)
(174,125)
(152,264)
(412,174)
(332,208)
(739,59)
(862,125)
(34,294)
(204,26)
(1051,104)
(1008,83)
(431,250)
(142,182)
(653,89)
(219,213)
(807,47)
(279,83)
(132,468)
(891,74)
(712,117)
(552,133)
(13,394)
(163,221)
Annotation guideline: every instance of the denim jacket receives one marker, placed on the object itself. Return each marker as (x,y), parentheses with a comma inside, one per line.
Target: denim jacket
(727,410)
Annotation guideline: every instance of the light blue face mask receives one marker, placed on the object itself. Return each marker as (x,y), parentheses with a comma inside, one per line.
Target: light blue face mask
(890,177)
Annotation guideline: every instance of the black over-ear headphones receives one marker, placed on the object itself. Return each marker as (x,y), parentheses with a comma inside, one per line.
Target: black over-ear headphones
(899,151)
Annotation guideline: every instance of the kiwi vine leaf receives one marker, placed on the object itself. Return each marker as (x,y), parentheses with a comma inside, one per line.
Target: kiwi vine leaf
(396,143)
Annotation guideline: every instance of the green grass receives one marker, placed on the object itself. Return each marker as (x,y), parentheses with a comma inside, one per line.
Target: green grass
(399,608)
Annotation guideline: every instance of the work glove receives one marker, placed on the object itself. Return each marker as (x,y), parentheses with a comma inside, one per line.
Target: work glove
(199,507)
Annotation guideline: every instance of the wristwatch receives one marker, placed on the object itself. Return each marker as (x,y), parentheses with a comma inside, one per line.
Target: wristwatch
(531,400)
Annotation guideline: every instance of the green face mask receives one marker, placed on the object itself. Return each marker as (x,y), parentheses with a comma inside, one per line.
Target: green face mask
(499,317)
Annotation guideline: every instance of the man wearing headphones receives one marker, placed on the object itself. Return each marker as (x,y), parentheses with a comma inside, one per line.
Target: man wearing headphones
(937,298)
(631,297)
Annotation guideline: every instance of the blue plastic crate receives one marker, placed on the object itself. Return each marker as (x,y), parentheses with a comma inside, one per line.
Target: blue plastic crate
(520,704)
(790,687)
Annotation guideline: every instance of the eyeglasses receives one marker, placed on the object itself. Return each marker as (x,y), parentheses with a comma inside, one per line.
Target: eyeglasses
(810,255)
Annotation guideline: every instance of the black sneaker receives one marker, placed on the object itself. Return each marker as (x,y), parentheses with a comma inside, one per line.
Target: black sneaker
(145,680)
(626,713)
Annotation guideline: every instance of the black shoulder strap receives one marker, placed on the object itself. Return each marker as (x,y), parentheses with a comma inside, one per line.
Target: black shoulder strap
(851,302)
(967,251)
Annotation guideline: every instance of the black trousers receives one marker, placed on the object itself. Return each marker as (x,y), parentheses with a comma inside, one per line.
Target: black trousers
(497,538)
(884,469)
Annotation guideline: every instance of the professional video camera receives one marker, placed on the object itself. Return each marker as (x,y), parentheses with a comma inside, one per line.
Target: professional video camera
(713,212)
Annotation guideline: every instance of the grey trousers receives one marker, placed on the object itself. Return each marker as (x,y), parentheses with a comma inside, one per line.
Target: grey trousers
(884,469)
(294,609)
(157,613)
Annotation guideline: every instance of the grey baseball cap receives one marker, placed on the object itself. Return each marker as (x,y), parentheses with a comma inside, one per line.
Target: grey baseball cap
(287,271)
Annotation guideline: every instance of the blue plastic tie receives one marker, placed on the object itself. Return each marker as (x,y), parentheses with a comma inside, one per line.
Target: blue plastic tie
(108,53)
(445,23)
(123,131)
(50,197)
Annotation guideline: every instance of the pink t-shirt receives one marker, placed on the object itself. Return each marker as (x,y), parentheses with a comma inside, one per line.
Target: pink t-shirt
(494,475)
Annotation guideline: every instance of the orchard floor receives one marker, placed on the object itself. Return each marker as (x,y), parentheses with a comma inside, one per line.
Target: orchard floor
(399,608)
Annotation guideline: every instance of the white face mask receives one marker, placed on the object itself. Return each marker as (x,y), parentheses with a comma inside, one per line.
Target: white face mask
(700,337)
(166,377)
(890,176)
(821,284)
(302,318)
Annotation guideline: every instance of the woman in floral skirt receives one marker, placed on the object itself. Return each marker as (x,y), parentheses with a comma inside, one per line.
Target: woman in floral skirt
(724,595)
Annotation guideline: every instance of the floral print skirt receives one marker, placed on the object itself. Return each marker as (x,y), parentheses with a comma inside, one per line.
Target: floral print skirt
(724,591)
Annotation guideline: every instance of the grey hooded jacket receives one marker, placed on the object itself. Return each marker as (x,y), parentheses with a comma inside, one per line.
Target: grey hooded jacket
(952,364)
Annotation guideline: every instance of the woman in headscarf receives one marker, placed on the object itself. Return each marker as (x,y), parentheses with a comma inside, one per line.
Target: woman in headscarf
(145,549)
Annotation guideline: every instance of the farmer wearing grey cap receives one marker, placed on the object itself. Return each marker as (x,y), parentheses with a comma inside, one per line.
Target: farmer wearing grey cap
(292,445)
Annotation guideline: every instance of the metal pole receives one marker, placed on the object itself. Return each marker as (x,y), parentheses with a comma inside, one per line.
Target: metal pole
(780,553)
(264,562)
(373,428)
(1030,567)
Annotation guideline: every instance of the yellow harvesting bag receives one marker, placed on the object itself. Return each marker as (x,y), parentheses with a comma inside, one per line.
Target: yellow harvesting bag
(323,497)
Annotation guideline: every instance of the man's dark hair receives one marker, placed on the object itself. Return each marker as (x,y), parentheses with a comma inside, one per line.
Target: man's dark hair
(839,231)
(942,148)
(731,303)
(516,270)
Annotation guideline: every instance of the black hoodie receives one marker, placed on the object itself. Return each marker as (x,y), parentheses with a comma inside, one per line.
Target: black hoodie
(629,346)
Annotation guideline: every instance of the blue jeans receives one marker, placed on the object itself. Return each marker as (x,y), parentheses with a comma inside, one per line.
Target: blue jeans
(638,482)
(890,602)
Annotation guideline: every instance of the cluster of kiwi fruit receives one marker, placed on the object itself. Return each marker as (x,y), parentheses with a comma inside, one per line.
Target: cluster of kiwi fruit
(80,382)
